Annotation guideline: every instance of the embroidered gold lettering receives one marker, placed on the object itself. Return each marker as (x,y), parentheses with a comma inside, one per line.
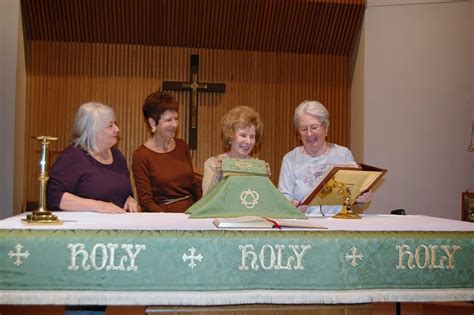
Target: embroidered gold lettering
(273,257)
(104,256)
(289,261)
(402,251)
(450,251)
(267,251)
(76,250)
(248,250)
(128,248)
(111,265)
(299,255)
(434,255)
(427,256)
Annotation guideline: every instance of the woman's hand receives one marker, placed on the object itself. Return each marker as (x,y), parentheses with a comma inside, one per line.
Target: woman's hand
(218,166)
(365,197)
(107,207)
(131,205)
(302,208)
(269,171)
(71,202)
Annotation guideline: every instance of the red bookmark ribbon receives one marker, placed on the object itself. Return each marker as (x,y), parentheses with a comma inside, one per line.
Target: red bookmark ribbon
(275,223)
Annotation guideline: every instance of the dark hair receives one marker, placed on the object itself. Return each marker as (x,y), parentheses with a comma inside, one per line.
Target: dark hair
(157,103)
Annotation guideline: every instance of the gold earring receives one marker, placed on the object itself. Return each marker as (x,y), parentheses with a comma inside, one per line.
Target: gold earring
(153,129)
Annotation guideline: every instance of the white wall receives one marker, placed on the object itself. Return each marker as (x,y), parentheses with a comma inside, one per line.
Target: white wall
(9,21)
(418,103)
(20,125)
(357,101)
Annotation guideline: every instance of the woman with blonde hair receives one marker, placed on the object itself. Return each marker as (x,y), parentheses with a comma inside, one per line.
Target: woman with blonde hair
(241,131)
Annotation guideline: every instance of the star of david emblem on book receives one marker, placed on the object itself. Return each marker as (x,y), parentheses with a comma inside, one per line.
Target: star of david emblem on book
(249,198)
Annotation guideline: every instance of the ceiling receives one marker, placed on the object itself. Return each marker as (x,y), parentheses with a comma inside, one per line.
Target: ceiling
(328,27)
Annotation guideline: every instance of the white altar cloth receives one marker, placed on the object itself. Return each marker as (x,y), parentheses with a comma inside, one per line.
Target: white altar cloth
(180,221)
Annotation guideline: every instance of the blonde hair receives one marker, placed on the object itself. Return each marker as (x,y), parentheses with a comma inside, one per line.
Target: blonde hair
(90,119)
(240,117)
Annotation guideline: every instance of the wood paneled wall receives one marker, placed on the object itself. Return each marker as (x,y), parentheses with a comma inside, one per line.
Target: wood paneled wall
(61,76)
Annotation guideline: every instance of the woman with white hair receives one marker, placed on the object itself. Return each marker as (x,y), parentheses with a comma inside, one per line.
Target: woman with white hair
(91,174)
(303,167)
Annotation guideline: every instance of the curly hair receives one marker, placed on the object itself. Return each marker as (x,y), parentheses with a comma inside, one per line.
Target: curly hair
(157,103)
(240,117)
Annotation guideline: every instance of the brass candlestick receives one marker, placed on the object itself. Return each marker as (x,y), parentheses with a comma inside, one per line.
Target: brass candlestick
(42,214)
(344,190)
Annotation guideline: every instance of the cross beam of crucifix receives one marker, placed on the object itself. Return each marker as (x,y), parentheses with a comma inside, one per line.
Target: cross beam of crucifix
(194,86)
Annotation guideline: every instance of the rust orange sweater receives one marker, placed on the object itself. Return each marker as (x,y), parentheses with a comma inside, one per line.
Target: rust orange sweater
(163,176)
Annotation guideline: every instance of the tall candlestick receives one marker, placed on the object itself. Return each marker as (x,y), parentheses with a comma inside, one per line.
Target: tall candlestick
(42,214)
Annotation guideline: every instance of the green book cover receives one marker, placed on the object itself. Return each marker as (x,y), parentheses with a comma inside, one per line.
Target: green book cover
(232,166)
(247,195)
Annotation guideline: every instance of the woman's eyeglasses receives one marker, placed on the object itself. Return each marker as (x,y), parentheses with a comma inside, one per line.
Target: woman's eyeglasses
(312,128)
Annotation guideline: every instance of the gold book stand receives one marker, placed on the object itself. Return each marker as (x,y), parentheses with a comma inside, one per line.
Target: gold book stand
(342,185)
(345,191)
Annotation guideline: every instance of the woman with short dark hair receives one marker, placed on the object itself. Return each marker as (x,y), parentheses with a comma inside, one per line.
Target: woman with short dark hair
(162,166)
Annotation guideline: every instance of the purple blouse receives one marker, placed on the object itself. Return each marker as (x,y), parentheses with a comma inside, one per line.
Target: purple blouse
(78,173)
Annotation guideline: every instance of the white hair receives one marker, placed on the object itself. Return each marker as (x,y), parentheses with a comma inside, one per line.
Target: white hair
(313,108)
(90,119)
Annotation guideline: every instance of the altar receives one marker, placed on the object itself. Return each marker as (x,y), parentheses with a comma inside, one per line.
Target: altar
(169,259)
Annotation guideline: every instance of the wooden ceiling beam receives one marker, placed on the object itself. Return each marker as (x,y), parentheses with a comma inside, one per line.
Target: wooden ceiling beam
(292,26)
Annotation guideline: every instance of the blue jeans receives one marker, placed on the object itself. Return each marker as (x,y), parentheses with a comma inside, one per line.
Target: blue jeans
(85,310)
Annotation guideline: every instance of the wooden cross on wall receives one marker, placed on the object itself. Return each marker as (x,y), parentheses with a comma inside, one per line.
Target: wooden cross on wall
(193,86)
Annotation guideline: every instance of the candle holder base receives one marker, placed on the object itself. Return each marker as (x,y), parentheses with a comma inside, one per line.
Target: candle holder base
(347,215)
(42,217)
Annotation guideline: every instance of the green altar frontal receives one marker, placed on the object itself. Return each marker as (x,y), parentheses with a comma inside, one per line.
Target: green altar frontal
(232,260)
(224,260)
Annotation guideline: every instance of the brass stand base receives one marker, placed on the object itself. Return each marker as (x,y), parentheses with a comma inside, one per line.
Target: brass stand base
(347,216)
(346,213)
(42,217)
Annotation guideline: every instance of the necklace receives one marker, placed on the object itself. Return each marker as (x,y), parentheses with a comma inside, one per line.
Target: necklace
(326,151)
